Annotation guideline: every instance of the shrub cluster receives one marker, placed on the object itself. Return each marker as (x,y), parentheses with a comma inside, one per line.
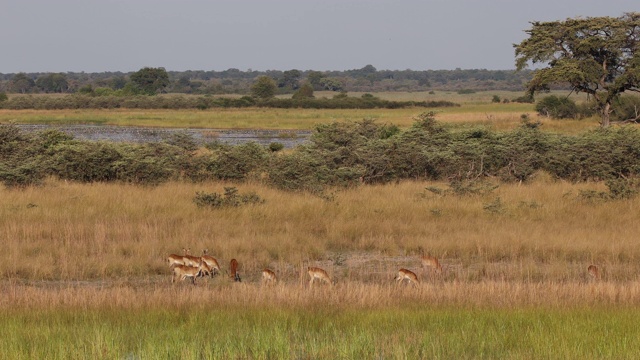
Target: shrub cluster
(563,108)
(230,198)
(337,154)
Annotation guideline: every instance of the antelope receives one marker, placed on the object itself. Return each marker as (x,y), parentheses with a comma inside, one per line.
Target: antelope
(268,276)
(190,259)
(429,261)
(318,273)
(175,259)
(211,261)
(408,275)
(594,272)
(183,272)
(233,270)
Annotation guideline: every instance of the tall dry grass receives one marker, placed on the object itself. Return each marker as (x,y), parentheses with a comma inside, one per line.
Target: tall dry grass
(541,231)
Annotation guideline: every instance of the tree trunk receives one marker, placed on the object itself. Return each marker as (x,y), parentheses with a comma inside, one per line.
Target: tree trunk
(605,115)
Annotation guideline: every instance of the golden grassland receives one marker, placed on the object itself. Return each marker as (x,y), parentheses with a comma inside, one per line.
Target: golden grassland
(524,240)
(475,109)
(84,271)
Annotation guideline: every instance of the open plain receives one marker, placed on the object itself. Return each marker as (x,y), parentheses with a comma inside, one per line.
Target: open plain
(85,274)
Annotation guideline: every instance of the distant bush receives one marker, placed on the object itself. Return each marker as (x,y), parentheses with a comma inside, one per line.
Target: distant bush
(230,198)
(557,107)
(526,99)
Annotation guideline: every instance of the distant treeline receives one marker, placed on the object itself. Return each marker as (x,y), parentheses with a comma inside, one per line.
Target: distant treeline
(337,154)
(234,81)
(81,101)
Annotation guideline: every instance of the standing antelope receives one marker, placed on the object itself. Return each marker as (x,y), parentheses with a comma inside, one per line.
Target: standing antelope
(182,272)
(594,272)
(233,270)
(175,259)
(190,259)
(211,261)
(318,273)
(268,276)
(429,261)
(407,274)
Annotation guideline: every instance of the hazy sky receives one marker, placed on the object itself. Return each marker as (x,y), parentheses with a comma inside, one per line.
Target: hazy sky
(126,35)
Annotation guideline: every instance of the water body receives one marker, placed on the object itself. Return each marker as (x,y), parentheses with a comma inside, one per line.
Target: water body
(289,138)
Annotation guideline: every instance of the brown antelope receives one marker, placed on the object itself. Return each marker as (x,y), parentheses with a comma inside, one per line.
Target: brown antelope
(594,272)
(429,261)
(408,275)
(318,273)
(268,276)
(175,259)
(190,259)
(233,270)
(182,272)
(211,261)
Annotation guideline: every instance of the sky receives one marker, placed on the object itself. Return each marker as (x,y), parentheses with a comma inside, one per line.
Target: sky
(322,35)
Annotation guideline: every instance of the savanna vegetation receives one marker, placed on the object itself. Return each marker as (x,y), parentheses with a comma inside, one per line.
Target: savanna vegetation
(532,216)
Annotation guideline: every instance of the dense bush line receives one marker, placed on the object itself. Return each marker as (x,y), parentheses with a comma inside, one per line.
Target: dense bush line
(338,154)
(80,101)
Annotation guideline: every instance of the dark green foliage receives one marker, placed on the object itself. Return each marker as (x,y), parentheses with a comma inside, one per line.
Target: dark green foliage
(626,109)
(338,154)
(230,198)
(228,162)
(304,92)
(264,88)
(276,146)
(111,100)
(558,108)
(150,81)
(594,55)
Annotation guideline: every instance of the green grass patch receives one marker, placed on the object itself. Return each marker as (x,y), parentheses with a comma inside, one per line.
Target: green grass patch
(268,333)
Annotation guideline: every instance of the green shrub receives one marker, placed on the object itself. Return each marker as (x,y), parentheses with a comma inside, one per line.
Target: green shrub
(230,198)
(557,107)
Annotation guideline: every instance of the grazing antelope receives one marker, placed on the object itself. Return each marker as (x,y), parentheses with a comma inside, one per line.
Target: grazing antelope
(594,272)
(407,274)
(211,261)
(175,259)
(182,272)
(429,261)
(233,270)
(268,276)
(318,273)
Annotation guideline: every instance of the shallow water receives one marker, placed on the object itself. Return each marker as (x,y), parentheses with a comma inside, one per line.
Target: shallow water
(289,138)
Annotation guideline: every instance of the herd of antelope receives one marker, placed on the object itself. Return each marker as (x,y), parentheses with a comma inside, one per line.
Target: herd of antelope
(190,267)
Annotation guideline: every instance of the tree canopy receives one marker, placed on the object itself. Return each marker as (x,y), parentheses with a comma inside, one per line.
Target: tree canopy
(595,55)
(150,81)
(263,88)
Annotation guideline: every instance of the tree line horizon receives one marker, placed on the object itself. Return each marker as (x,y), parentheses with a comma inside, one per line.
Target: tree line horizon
(235,81)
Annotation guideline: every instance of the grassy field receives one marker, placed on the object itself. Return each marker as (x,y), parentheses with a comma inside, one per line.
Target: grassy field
(475,109)
(85,273)
(213,333)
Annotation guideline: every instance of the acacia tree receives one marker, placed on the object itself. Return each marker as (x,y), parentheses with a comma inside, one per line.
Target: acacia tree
(596,55)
